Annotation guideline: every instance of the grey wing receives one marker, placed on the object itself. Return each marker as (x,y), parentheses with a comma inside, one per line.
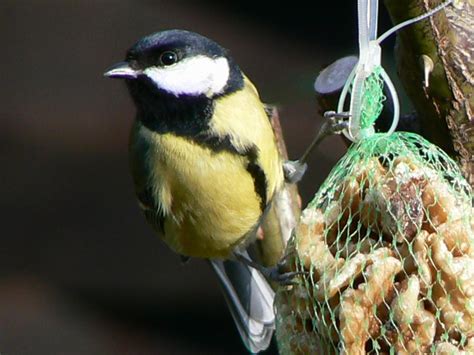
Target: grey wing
(250,300)
(139,167)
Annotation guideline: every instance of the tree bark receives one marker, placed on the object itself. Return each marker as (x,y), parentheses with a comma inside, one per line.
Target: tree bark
(446,106)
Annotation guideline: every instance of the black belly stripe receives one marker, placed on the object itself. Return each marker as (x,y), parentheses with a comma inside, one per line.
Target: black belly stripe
(259,182)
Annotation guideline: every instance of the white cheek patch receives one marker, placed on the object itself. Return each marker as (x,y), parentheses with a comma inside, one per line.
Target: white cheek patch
(194,76)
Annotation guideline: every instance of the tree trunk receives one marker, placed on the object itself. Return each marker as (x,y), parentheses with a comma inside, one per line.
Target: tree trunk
(446,106)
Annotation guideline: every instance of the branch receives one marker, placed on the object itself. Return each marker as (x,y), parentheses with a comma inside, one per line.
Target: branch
(285,210)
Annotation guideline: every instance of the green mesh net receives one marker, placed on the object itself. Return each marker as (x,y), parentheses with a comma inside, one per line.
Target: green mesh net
(372,98)
(388,249)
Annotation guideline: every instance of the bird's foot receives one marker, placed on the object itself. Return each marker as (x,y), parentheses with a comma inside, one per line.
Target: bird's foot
(336,122)
(277,273)
(294,171)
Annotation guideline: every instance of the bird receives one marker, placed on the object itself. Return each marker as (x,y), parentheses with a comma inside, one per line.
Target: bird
(205,163)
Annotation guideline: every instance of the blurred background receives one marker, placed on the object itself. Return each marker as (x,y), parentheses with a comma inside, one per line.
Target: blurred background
(80,270)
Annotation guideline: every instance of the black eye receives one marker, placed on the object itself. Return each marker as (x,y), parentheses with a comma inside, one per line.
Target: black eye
(168,58)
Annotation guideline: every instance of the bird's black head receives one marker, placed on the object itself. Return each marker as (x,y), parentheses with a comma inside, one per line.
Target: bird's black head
(175,75)
(180,63)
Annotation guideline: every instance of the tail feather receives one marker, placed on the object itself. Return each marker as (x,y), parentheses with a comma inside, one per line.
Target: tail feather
(250,300)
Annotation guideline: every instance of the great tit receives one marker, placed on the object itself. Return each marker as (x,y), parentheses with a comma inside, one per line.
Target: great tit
(205,162)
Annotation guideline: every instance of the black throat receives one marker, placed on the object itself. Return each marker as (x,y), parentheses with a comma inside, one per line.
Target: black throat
(162,112)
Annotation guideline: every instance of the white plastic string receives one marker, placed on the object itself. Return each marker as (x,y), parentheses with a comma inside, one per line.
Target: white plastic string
(370,54)
(413,20)
(370,57)
(373,16)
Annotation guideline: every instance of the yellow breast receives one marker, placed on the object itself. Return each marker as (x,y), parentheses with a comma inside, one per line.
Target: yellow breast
(208,198)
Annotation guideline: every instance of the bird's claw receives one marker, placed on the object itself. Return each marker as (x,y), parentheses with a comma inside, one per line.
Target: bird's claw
(283,278)
(334,114)
(336,122)
(277,273)
(294,171)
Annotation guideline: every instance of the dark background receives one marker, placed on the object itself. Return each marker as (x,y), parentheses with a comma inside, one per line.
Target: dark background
(80,271)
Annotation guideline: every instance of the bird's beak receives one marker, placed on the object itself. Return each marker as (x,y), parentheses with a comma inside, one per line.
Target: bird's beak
(121,70)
